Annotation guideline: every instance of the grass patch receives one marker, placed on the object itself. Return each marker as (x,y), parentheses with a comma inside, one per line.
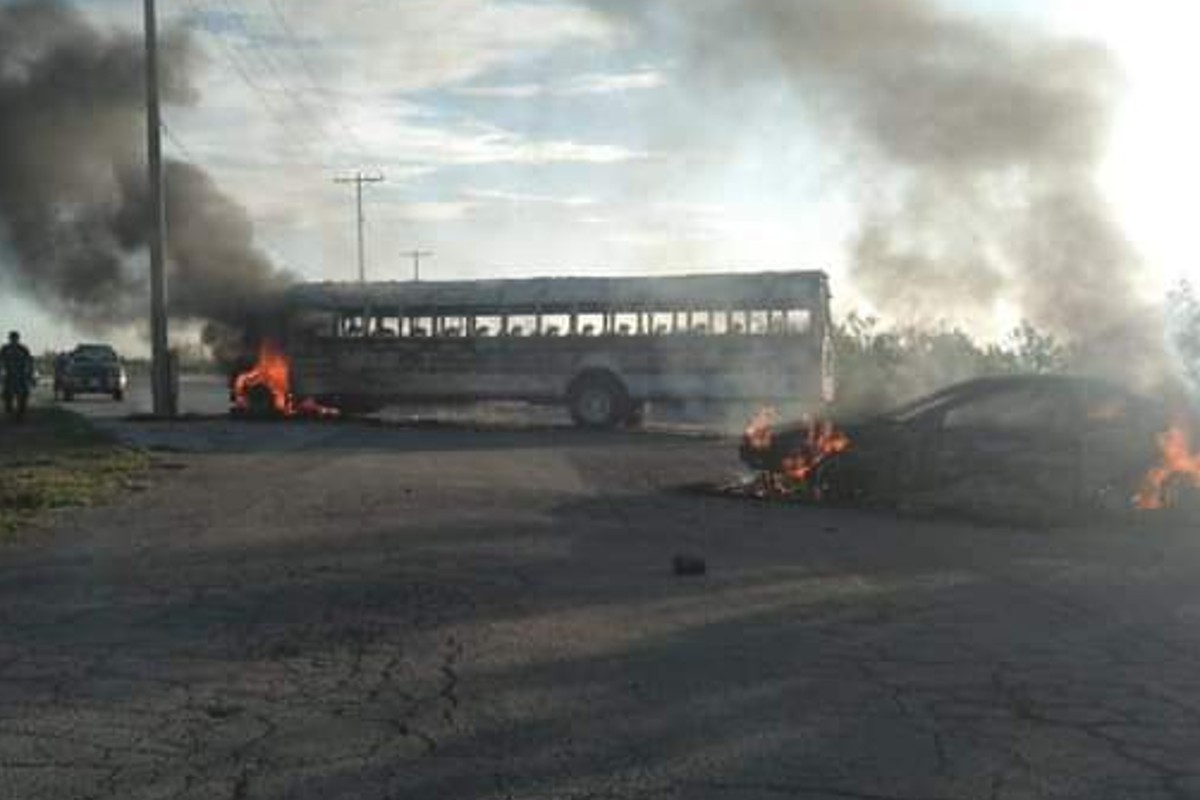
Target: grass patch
(56,459)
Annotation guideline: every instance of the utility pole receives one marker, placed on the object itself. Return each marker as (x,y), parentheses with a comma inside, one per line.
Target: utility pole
(416,256)
(160,372)
(358,180)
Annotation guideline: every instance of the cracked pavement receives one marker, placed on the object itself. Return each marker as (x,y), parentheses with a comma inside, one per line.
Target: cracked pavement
(349,611)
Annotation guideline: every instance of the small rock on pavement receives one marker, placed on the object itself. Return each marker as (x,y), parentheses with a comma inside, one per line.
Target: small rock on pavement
(686,565)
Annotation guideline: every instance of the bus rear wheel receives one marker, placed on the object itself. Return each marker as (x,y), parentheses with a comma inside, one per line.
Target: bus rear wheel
(598,402)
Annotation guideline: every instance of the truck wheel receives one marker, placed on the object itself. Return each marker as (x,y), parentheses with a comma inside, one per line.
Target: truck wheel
(598,401)
(68,395)
(118,395)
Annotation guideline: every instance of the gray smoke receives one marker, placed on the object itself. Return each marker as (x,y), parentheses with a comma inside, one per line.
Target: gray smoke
(73,187)
(973,147)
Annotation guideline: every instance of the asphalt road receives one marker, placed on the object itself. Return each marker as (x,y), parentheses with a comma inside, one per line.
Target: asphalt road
(371,611)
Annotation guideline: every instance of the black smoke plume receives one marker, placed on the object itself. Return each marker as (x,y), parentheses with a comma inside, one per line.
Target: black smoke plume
(73,183)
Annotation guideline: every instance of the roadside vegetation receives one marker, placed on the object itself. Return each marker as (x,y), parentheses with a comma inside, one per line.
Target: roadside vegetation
(56,459)
(879,367)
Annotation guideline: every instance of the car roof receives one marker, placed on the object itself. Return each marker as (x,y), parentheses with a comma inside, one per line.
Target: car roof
(998,383)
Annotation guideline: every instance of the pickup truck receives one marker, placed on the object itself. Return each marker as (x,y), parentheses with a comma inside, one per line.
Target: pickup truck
(93,369)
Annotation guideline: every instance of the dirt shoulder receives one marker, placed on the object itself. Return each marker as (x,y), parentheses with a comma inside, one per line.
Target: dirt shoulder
(57,459)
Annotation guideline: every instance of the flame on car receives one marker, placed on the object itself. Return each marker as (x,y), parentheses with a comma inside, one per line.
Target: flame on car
(795,468)
(824,440)
(760,429)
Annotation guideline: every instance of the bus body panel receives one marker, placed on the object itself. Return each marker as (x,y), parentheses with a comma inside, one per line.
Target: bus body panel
(349,354)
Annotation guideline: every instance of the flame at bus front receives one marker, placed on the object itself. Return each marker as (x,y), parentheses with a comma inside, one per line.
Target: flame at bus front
(271,377)
(271,373)
(1178,463)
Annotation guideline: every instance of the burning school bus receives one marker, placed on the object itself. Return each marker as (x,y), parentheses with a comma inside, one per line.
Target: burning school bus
(601,346)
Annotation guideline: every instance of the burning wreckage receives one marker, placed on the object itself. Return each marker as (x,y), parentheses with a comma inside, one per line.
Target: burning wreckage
(1016,442)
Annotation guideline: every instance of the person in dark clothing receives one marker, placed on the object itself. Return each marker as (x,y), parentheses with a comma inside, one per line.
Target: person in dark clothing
(17,366)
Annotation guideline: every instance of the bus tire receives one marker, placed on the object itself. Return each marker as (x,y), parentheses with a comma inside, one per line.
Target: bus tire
(597,400)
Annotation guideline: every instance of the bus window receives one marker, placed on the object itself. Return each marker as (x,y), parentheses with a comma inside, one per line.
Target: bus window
(589,324)
(420,327)
(759,323)
(522,325)
(487,326)
(799,321)
(661,323)
(626,325)
(451,327)
(315,324)
(555,324)
(739,322)
(384,326)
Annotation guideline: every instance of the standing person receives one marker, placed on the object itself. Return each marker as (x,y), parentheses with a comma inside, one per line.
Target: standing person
(17,364)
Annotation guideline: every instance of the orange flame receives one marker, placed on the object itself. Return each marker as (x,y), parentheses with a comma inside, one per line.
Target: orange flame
(273,372)
(759,431)
(1178,461)
(823,440)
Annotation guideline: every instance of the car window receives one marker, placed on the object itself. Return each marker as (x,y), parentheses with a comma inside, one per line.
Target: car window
(94,353)
(1025,409)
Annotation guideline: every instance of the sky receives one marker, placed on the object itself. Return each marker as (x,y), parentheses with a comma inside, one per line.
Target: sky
(526,137)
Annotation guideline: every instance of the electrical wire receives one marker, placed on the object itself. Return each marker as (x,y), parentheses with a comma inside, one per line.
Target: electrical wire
(228,53)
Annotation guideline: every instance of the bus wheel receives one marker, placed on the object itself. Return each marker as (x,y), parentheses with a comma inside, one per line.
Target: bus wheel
(598,401)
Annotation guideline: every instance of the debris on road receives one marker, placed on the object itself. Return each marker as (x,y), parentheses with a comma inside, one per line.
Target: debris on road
(689,565)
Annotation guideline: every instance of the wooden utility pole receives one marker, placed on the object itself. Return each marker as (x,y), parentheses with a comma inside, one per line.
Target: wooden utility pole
(416,256)
(161,378)
(358,180)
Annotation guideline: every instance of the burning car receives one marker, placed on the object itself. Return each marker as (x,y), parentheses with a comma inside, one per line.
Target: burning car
(1060,441)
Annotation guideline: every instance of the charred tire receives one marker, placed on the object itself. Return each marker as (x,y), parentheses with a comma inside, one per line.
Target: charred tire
(598,401)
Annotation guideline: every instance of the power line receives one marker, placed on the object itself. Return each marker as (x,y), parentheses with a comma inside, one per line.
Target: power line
(311,119)
(180,146)
(306,65)
(227,51)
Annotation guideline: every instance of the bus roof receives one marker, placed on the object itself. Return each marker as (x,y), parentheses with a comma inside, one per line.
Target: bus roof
(753,290)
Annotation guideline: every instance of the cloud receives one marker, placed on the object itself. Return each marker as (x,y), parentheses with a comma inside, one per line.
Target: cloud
(418,45)
(595,83)
(525,198)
